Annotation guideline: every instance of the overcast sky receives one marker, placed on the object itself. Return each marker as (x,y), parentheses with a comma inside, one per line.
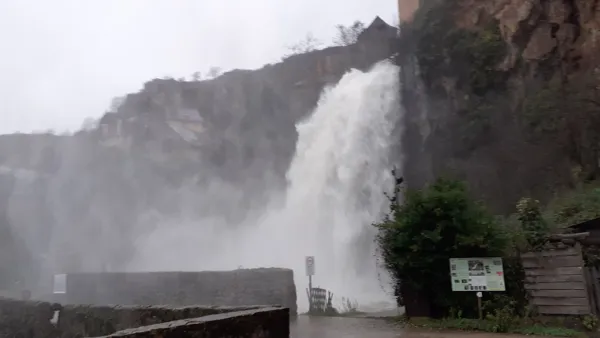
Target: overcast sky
(63,60)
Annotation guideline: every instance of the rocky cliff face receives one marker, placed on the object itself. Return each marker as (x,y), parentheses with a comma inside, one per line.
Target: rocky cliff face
(208,152)
(504,93)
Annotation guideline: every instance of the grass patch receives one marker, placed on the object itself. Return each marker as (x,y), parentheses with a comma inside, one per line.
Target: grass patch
(575,206)
(540,330)
(466,324)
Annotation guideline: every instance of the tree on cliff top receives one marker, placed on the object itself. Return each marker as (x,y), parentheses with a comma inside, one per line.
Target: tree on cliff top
(348,35)
(431,226)
(214,72)
(306,45)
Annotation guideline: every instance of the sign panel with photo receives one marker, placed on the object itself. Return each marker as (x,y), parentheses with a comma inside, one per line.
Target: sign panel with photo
(477,274)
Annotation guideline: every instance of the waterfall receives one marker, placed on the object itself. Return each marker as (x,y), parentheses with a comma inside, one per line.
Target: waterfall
(336,190)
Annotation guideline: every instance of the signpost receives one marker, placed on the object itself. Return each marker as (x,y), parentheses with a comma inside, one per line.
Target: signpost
(309,263)
(477,274)
(310,266)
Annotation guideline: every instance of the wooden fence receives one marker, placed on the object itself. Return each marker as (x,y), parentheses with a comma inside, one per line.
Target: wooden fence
(592,276)
(318,300)
(558,282)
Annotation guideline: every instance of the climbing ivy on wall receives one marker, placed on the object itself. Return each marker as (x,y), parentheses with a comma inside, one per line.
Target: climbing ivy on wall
(566,112)
(461,65)
(470,57)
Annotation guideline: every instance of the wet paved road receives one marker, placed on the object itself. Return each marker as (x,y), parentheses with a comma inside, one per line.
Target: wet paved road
(339,327)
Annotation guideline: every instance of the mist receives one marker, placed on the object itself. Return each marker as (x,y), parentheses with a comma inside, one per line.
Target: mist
(337,180)
(258,180)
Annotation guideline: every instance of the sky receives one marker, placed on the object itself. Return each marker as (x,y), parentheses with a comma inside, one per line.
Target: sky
(63,61)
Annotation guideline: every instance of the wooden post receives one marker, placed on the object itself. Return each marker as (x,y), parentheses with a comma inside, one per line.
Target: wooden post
(310,294)
(479,307)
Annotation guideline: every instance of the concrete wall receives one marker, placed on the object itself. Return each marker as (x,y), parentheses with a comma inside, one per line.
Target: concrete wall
(30,319)
(81,321)
(224,288)
(258,323)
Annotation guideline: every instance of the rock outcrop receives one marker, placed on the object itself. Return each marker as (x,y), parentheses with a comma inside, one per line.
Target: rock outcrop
(503,93)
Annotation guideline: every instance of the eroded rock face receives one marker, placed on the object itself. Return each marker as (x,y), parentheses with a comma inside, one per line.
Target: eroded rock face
(506,124)
(539,27)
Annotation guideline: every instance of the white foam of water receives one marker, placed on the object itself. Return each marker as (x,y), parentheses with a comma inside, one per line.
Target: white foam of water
(336,184)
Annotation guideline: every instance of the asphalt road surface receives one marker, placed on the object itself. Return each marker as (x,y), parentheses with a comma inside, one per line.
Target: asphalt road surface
(340,327)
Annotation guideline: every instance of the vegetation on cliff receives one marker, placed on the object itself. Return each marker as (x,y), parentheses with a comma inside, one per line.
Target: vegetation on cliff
(567,111)
(504,93)
(469,57)
(462,66)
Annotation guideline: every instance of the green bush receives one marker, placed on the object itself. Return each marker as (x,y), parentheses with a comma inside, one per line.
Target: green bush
(590,322)
(534,226)
(431,226)
(503,319)
(578,206)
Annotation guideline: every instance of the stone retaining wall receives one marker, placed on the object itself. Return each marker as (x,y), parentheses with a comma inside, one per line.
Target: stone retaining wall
(241,287)
(258,323)
(31,319)
(26,319)
(81,321)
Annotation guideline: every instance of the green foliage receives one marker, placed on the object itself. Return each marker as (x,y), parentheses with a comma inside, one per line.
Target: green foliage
(516,296)
(348,35)
(502,319)
(471,57)
(534,226)
(575,207)
(431,226)
(510,325)
(541,110)
(539,330)
(463,64)
(513,303)
(567,113)
(590,322)
(475,123)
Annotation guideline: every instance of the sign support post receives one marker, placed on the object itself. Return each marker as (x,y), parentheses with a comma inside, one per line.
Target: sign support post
(310,288)
(310,271)
(479,308)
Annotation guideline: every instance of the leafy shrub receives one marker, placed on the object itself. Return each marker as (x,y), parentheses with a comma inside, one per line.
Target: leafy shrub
(431,226)
(534,226)
(503,319)
(590,322)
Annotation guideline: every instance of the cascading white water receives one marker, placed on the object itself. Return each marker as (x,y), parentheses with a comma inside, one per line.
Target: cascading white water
(336,185)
